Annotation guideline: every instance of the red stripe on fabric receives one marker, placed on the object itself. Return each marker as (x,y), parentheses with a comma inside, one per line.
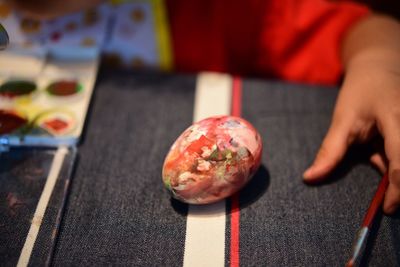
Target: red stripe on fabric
(236,97)
(235,218)
(235,209)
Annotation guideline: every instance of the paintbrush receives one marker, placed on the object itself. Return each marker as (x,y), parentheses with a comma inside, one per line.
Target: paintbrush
(362,235)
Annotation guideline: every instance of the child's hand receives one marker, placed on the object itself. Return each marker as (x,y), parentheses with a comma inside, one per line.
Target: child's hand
(368,104)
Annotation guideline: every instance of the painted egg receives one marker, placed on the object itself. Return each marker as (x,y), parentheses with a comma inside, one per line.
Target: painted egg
(212,159)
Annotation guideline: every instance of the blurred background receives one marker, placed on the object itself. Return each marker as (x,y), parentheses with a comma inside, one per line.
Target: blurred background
(391,7)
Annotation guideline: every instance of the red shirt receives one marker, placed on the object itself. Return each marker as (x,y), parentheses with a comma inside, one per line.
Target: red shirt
(294,40)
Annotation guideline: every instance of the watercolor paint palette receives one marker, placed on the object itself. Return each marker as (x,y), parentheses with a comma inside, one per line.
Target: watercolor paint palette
(49,107)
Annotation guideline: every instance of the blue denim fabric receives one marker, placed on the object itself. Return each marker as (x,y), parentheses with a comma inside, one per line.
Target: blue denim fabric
(23,173)
(118,212)
(293,224)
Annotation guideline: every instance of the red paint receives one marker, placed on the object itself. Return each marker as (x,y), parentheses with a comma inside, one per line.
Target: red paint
(235,208)
(56,124)
(9,121)
(63,88)
(196,146)
(376,201)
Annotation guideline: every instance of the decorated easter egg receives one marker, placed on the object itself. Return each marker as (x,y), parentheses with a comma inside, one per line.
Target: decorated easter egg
(212,159)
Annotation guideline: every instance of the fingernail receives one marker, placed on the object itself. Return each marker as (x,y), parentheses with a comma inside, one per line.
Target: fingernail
(390,209)
(307,173)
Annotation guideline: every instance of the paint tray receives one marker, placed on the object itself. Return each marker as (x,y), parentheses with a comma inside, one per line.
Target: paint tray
(50,105)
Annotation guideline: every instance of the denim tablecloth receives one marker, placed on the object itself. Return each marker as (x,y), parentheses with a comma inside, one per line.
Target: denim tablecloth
(118,212)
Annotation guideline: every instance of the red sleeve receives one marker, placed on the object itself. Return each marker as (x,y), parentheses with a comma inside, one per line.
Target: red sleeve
(295,40)
(217,35)
(305,45)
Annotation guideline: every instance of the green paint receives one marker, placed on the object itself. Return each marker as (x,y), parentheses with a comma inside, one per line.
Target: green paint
(167,183)
(218,155)
(17,88)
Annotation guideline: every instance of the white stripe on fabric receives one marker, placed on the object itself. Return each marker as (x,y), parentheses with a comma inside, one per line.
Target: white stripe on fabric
(205,226)
(42,205)
(213,95)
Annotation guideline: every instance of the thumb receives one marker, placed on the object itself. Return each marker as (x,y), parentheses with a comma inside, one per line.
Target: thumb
(330,153)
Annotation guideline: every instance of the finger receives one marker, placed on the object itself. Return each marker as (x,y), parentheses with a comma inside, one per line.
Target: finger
(330,153)
(391,135)
(392,196)
(379,161)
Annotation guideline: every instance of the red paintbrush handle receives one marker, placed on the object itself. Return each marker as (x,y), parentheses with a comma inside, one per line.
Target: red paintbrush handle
(376,201)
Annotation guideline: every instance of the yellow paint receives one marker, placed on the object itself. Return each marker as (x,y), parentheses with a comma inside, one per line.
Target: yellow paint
(30,111)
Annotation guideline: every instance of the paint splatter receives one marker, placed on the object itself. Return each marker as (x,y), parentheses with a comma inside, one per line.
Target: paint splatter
(87,41)
(90,17)
(14,203)
(30,26)
(55,36)
(137,15)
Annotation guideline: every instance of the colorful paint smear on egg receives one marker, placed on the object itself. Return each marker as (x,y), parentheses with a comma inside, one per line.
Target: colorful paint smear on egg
(212,159)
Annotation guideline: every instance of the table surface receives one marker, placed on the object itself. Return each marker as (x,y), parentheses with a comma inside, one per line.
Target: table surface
(118,212)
